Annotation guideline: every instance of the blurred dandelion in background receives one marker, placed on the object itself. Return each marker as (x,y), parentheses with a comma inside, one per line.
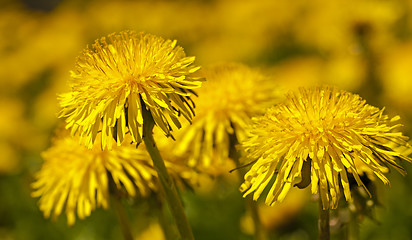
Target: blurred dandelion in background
(76,179)
(232,94)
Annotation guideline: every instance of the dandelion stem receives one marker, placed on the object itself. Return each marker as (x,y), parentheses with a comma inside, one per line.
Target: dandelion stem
(260,233)
(121,215)
(353,227)
(169,231)
(323,222)
(166,182)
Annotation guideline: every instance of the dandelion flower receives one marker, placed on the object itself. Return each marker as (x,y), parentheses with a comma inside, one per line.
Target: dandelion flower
(77,178)
(119,76)
(321,136)
(232,94)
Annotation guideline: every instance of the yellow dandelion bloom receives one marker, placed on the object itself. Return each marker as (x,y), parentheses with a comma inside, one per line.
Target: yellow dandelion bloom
(118,76)
(232,94)
(321,136)
(77,178)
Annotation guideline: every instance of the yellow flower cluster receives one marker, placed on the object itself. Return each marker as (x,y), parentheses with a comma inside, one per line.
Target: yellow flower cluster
(113,83)
(319,137)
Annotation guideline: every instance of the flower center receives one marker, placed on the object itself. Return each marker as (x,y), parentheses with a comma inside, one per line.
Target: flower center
(135,82)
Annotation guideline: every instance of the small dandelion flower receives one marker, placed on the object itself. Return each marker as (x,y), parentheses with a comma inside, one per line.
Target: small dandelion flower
(232,94)
(118,76)
(321,136)
(76,178)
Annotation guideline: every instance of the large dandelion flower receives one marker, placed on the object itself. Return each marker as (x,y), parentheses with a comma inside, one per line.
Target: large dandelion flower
(321,136)
(232,94)
(119,76)
(77,178)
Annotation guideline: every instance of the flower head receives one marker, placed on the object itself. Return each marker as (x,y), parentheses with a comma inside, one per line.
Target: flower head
(119,76)
(320,136)
(232,94)
(77,178)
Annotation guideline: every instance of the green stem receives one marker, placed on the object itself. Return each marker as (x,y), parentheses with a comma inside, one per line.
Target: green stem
(259,230)
(166,182)
(121,215)
(371,87)
(323,222)
(169,231)
(260,233)
(353,227)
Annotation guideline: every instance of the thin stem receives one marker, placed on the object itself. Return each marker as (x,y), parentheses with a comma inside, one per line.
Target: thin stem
(353,226)
(166,182)
(323,222)
(259,230)
(169,231)
(260,233)
(372,87)
(121,215)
